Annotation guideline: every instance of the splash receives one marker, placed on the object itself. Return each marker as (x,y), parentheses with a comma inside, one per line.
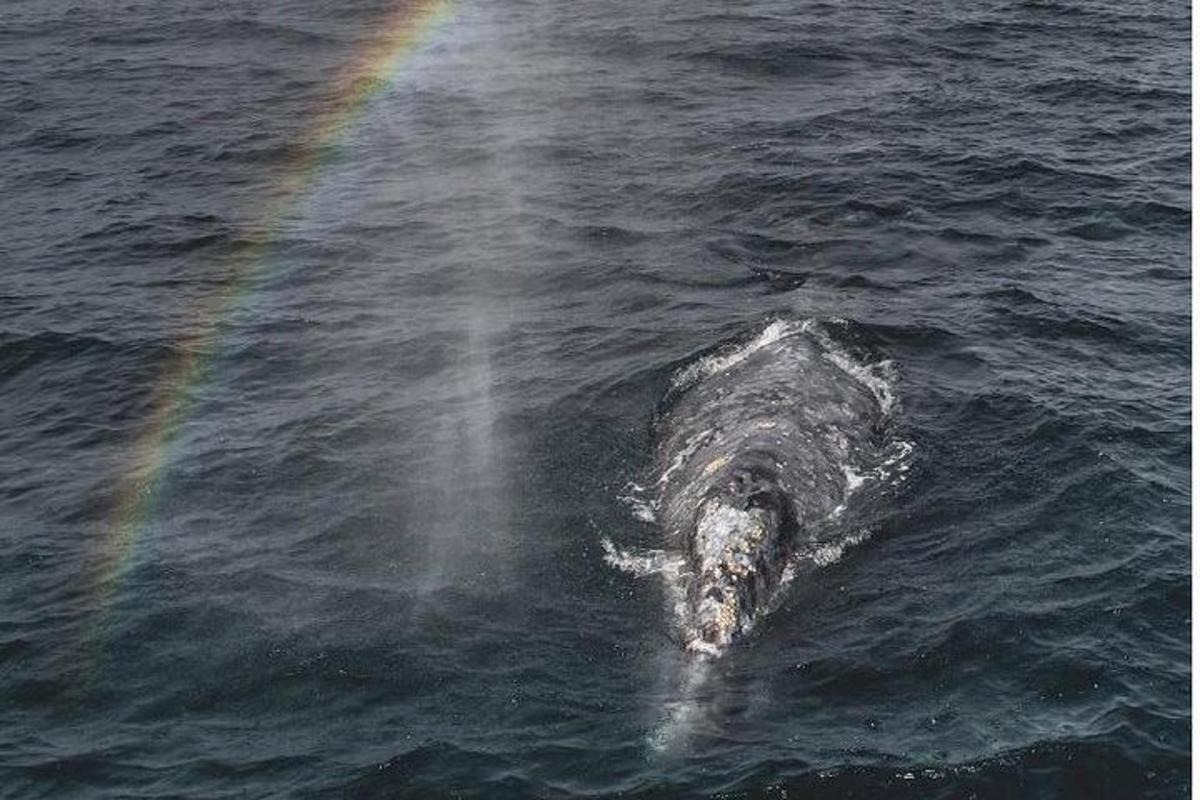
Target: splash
(377,66)
(643,563)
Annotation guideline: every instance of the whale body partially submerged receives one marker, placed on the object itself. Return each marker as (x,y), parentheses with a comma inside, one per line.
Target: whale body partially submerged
(762,448)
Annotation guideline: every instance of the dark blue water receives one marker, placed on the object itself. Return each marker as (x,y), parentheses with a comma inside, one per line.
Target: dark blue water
(373,568)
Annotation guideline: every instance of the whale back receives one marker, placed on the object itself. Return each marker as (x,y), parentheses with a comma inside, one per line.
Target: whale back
(760,447)
(781,411)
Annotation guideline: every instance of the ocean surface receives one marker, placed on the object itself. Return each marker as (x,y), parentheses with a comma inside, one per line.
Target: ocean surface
(333,335)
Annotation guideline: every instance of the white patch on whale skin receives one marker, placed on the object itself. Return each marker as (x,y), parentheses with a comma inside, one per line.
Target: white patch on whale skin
(718,530)
(727,543)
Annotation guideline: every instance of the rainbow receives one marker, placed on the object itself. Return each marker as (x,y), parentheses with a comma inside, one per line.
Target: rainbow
(375,68)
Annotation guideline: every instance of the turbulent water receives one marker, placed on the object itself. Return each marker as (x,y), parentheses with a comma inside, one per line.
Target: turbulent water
(363,557)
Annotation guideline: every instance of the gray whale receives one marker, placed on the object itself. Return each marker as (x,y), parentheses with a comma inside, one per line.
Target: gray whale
(761,449)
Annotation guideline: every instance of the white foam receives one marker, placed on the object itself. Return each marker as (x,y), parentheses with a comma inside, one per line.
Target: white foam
(853,479)
(719,362)
(698,645)
(684,453)
(644,563)
(893,469)
(878,376)
(831,552)
(643,508)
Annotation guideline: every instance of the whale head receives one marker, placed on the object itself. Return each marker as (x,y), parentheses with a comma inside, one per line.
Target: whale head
(739,551)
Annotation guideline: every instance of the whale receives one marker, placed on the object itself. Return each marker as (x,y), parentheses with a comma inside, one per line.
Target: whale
(764,448)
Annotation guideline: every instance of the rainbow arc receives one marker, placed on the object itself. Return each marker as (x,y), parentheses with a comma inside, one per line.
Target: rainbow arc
(376,67)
